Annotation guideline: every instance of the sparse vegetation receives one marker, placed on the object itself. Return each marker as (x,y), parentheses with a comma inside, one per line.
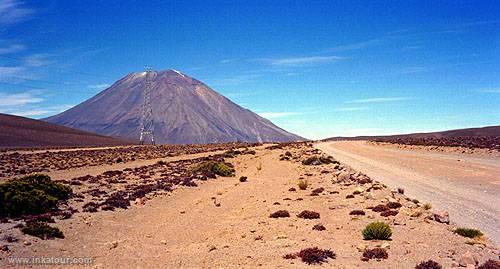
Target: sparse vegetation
(375,253)
(430,264)
(30,195)
(380,208)
(302,183)
(307,214)
(218,168)
(312,255)
(319,227)
(318,160)
(318,190)
(42,230)
(427,206)
(467,232)
(357,213)
(377,231)
(280,214)
(490,264)
(393,205)
(388,213)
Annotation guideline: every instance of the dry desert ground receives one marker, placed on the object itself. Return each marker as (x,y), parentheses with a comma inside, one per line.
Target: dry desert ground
(150,211)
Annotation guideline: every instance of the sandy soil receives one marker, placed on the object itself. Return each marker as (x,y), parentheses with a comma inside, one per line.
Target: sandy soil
(224,223)
(465,185)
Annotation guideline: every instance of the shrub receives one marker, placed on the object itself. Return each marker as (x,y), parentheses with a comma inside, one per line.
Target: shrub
(319,227)
(375,253)
(42,230)
(467,232)
(34,194)
(243,179)
(380,208)
(161,162)
(318,190)
(306,214)
(427,206)
(280,214)
(430,264)
(313,160)
(218,168)
(393,205)
(302,184)
(315,255)
(357,213)
(490,264)
(377,230)
(388,213)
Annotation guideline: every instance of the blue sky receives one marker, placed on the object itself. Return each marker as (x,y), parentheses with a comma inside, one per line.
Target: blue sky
(316,68)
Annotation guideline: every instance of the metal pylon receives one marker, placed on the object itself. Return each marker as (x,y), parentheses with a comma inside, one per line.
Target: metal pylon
(147,124)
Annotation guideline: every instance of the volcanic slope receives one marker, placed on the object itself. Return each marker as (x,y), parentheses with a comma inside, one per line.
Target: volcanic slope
(185,111)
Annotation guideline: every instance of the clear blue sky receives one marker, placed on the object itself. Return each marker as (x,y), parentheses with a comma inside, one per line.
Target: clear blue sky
(316,68)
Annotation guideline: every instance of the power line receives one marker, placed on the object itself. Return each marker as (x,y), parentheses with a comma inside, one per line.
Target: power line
(147,123)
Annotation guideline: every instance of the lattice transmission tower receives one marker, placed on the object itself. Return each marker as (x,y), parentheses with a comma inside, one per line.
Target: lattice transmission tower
(147,123)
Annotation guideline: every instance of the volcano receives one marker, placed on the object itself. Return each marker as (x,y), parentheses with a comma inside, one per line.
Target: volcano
(185,111)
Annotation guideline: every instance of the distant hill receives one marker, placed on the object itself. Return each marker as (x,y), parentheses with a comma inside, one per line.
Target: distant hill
(485,137)
(185,111)
(20,132)
(490,131)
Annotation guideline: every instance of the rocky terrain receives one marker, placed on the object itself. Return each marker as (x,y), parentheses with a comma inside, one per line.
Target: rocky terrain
(185,111)
(286,205)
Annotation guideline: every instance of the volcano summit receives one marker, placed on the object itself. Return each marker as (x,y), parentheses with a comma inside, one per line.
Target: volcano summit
(185,111)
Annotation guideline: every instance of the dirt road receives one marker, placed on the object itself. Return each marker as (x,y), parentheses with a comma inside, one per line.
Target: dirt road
(466,186)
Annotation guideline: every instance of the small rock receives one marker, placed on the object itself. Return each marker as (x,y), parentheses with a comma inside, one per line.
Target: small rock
(386,246)
(392,200)
(361,247)
(113,245)
(211,248)
(281,236)
(163,242)
(467,258)
(140,201)
(442,217)
(27,243)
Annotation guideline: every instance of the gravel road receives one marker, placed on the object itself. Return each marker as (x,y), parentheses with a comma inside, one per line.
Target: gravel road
(466,186)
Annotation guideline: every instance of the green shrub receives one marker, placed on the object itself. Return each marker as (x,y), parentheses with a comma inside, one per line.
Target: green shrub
(218,168)
(378,231)
(42,230)
(466,232)
(34,194)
